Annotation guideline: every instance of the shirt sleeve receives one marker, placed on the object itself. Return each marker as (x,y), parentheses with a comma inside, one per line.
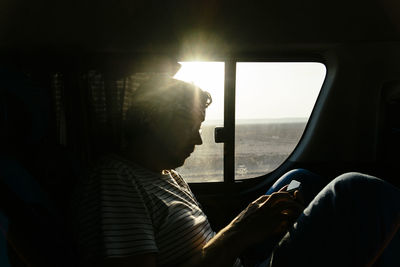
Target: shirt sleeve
(113,219)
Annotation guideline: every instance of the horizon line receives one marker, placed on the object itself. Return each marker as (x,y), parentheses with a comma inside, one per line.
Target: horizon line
(261,120)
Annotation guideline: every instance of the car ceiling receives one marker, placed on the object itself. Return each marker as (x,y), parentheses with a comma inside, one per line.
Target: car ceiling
(181,27)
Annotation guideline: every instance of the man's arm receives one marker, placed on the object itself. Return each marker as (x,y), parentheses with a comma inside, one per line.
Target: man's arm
(265,217)
(261,219)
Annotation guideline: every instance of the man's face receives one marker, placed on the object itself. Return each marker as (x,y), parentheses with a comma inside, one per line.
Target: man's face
(180,136)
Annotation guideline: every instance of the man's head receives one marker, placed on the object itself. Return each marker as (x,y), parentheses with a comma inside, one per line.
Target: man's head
(168,113)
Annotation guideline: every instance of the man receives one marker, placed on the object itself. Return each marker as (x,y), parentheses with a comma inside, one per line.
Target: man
(134,209)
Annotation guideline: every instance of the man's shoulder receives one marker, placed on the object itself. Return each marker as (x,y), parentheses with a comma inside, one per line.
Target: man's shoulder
(107,163)
(113,164)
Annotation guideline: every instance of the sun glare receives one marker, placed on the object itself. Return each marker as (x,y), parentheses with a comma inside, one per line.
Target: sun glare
(209,76)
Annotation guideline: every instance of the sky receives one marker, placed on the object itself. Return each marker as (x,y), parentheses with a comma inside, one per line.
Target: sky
(264,90)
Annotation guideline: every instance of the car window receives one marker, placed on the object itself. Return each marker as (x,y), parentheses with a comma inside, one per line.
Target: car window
(273,103)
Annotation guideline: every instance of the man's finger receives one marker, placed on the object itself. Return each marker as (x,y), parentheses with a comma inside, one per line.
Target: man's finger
(279,197)
(290,207)
(283,189)
(299,196)
(261,199)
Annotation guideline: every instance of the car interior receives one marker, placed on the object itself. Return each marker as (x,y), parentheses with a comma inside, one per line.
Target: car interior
(67,69)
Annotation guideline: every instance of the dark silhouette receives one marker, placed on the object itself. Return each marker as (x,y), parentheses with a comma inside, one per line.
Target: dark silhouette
(134,209)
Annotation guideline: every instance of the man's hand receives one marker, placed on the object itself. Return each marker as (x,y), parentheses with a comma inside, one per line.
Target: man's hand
(268,216)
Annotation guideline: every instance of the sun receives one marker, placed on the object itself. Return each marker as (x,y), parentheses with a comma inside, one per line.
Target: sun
(209,76)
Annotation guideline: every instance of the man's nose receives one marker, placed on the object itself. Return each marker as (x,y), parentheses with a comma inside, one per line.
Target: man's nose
(198,140)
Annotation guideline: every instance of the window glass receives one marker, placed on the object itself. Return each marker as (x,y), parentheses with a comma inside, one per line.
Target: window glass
(273,104)
(206,163)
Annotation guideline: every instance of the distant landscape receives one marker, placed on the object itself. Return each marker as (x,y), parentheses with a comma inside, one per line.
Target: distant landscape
(261,146)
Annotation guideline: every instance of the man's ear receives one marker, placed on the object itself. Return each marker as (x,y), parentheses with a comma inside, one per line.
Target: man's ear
(157,129)
(162,131)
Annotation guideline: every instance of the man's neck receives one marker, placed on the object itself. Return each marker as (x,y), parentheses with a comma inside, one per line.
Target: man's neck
(147,156)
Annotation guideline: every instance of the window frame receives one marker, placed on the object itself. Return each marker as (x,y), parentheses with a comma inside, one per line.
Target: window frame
(229,124)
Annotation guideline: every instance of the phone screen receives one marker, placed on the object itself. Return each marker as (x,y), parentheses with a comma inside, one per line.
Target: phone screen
(293,186)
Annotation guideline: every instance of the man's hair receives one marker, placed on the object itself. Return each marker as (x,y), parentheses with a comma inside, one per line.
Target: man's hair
(161,98)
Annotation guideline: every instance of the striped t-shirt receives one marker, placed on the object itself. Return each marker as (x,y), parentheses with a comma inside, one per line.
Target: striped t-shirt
(122,209)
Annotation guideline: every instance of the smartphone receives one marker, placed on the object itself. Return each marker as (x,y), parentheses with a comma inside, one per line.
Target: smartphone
(293,186)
